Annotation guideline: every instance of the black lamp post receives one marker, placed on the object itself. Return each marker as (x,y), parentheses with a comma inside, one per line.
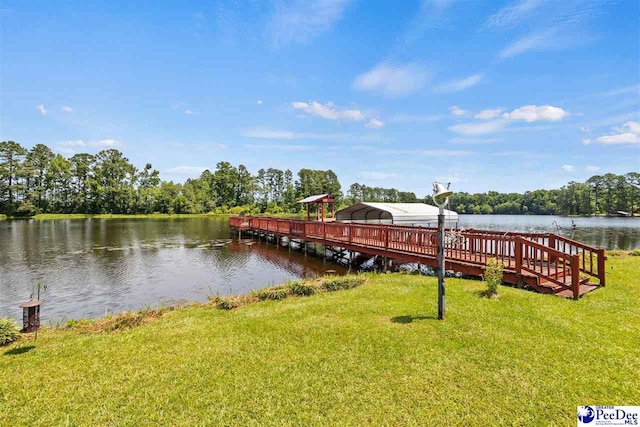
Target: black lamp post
(441,198)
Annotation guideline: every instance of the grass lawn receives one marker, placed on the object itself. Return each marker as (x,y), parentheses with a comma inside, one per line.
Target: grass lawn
(371,355)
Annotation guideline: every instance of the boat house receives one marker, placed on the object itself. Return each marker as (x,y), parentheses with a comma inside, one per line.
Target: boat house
(395,213)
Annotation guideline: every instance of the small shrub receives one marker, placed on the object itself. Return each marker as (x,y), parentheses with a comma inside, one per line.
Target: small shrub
(635,252)
(273,293)
(493,276)
(233,301)
(8,331)
(337,283)
(302,288)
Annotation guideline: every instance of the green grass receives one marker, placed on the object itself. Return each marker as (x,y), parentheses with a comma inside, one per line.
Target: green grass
(2,217)
(371,355)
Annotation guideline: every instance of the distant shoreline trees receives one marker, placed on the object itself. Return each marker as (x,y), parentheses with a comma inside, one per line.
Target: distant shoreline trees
(40,181)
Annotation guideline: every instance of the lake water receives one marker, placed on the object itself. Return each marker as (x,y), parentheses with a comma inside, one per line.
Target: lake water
(97,266)
(602,232)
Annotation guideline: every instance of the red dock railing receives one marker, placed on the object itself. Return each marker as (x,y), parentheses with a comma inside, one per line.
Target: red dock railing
(548,262)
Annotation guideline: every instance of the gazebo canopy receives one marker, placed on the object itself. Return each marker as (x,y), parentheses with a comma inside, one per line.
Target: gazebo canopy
(394,213)
(319,200)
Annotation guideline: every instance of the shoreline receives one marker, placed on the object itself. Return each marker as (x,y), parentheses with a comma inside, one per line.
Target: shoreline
(303,287)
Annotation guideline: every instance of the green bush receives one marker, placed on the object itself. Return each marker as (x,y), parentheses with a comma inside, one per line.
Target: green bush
(337,283)
(493,276)
(8,331)
(302,288)
(635,252)
(273,293)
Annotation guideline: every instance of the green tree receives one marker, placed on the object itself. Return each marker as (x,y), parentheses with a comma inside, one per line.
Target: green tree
(115,177)
(82,178)
(11,157)
(39,160)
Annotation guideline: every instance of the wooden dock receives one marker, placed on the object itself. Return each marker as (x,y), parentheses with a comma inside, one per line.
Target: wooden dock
(546,262)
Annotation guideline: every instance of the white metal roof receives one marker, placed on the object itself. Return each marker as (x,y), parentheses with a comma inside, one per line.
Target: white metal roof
(393,213)
(312,199)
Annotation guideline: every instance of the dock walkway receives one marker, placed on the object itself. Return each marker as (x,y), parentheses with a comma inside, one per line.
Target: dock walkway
(547,262)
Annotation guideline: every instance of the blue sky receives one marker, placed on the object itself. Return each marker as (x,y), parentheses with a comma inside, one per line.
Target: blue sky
(507,96)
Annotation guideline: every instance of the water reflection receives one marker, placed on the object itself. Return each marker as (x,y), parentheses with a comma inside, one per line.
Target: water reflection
(98,266)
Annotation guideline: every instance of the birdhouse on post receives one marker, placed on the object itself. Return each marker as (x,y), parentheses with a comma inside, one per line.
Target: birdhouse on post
(31,316)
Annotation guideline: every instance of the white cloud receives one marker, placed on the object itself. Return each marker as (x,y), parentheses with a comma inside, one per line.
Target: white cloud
(186,171)
(528,113)
(67,109)
(67,151)
(107,143)
(628,133)
(259,101)
(377,175)
(431,15)
(459,85)
(635,89)
(569,168)
(512,15)
(535,41)
(374,124)
(585,129)
(621,138)
(328,111)
(263,133)
(393,80)
(631,126)
(221,146)
(587,141)
(42,110)
(76,143)
(488,114)
(535,113)
(478,128)
(188,112)
(458,112)
(592,168)
(299,21)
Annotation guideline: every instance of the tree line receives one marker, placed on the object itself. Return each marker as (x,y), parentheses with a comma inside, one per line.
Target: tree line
(600,194)
(41,181)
